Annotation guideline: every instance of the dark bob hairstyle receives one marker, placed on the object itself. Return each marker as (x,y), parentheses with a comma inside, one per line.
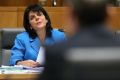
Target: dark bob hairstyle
(27,25)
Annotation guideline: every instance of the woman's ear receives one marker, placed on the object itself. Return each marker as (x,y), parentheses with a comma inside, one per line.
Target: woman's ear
(31,27)
(46,21)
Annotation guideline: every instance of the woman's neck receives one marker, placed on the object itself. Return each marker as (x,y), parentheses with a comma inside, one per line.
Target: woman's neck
(41,35)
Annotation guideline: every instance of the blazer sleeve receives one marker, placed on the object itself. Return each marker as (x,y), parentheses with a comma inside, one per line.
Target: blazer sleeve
(17,51)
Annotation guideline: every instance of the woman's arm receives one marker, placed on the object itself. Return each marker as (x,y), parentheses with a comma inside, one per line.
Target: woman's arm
(17,52)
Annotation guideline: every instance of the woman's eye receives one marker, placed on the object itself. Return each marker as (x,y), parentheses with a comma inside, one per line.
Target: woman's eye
(32,17)
(39,14)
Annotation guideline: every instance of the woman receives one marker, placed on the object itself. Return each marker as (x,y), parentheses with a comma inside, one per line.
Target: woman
(38,32)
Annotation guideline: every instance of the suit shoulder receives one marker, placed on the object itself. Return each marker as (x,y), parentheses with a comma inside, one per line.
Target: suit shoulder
(22,35)
(57,32)
(58,35)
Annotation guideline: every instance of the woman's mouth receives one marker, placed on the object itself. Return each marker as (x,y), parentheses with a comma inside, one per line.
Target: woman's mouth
(38,23)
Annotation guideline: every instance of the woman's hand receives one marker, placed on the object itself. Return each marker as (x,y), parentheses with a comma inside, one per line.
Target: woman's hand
(29,63)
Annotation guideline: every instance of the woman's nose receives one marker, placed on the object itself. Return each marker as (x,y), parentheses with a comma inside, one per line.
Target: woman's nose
(37,18)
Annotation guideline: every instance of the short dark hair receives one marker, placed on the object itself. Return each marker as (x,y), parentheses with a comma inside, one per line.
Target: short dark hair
(91,12)
(26,24)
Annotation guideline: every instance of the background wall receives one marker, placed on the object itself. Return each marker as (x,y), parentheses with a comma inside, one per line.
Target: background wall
(11,14)
(26,2)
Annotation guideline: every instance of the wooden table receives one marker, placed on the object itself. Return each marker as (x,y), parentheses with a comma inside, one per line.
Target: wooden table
(19,76)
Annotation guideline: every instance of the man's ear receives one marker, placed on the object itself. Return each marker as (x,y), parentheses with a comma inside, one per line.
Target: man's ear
(111,11)
(71,21)
(112,16)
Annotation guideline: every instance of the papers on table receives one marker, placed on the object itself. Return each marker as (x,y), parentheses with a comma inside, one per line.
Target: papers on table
(41,56)
(20,70)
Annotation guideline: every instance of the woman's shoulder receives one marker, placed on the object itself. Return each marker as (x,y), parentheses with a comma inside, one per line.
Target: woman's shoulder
(22,35)
(58,34)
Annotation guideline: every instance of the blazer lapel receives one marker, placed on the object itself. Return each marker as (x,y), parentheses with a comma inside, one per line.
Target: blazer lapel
(35,44)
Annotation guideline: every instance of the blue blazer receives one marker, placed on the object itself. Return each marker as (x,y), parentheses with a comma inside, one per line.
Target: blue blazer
(26,48)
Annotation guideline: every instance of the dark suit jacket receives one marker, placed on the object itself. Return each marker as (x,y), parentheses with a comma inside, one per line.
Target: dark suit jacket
(58,69)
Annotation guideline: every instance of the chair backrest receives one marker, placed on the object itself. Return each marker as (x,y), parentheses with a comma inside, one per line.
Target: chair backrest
(8,36)
(7,40)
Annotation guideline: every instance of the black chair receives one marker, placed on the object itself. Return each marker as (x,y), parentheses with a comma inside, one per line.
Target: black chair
(7,40)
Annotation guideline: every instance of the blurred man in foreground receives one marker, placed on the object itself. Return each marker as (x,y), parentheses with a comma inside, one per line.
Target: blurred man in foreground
(71,61)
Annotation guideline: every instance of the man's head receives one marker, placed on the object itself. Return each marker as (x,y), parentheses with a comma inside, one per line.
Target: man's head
(90,12)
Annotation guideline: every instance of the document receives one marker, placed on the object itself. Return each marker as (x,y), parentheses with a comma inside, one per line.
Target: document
(41,56)
(19,69)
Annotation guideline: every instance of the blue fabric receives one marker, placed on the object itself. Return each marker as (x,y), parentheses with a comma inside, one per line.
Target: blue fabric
(26,48)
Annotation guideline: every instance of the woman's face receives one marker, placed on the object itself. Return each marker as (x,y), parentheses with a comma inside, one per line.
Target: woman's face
(37,20)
